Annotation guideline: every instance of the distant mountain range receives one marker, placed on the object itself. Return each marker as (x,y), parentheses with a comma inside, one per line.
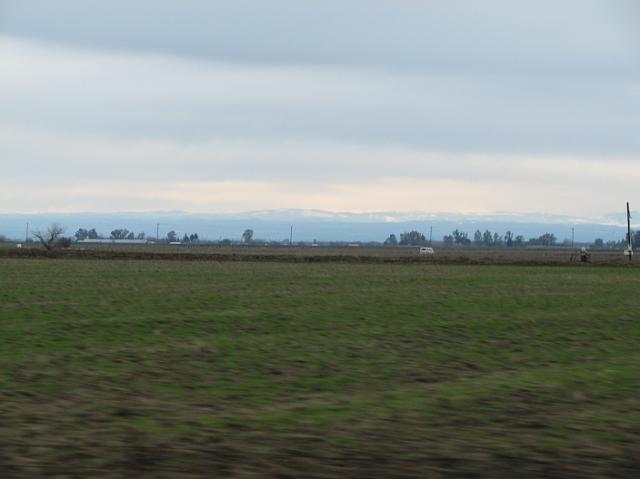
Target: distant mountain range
(321,225)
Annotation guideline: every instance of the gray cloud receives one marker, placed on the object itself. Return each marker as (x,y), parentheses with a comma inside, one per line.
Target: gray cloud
(573,36)
(168,98)
(340,96)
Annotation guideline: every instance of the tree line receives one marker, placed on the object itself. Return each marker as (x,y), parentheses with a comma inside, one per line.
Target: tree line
(599,243)
(461,238)
(53,237)
(171,237)
(509,239)
(124,234)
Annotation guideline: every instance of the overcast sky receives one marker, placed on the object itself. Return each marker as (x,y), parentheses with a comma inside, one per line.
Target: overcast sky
(359,105)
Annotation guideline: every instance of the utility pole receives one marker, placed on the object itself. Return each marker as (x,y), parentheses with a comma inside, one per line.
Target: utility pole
(157,232)
(430,234)
(572,235)
(629,243)
(291,236)
(26,236)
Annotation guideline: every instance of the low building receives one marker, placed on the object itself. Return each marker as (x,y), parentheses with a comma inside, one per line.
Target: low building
(113,241)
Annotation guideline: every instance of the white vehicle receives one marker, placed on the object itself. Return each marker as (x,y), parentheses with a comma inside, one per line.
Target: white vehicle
(426,250)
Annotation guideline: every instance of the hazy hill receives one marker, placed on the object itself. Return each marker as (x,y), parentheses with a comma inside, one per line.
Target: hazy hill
(320,225)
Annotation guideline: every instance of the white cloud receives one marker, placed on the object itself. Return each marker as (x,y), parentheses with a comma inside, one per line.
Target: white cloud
(66,173)
(395,194)
(51,154)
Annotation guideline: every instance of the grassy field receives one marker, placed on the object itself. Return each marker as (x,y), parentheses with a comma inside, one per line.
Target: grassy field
(267,369)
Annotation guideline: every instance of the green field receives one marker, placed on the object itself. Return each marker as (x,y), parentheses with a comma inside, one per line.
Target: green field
(255,369)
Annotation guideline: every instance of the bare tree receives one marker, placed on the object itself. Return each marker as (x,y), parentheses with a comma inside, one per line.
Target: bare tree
(51,238)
